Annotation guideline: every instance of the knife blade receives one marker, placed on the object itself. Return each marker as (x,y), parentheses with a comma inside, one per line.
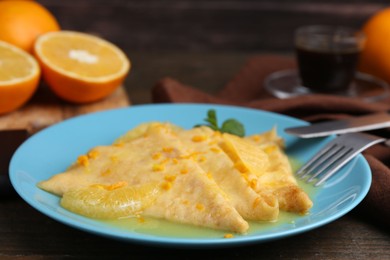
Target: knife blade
(355,124)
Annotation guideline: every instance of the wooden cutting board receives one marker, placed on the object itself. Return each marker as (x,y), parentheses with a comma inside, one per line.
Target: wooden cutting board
(45,109)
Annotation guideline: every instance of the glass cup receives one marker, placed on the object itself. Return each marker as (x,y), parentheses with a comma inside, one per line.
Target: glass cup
(327,57)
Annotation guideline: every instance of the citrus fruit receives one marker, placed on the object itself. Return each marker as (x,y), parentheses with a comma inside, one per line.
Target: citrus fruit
(21,22)
(374,57)
(80,67)
(110,201)
(245,155)
(19,77)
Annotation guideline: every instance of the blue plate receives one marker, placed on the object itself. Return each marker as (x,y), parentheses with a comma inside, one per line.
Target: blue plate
(53,149)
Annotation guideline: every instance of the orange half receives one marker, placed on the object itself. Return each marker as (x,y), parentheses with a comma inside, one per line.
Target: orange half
(80,67)
(19,77)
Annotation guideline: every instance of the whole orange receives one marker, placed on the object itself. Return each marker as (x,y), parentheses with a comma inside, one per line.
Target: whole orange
(375,55)
(21,22)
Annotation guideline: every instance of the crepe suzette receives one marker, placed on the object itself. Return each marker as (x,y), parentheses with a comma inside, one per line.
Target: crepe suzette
(201,177)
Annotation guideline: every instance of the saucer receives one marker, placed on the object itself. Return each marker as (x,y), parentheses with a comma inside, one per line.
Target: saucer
(286,84)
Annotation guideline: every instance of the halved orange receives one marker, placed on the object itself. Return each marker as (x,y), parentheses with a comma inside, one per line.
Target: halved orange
(80,67)
(19,77)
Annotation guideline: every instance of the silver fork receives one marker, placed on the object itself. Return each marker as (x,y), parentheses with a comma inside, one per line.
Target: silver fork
(335,155)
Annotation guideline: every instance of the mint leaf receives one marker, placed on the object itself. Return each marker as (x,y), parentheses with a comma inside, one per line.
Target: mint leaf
(212,118)
(231,126)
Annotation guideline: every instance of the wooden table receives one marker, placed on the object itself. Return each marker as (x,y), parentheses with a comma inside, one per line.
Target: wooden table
(27,234)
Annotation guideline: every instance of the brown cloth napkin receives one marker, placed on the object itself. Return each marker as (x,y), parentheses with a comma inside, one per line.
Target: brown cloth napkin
(246,89)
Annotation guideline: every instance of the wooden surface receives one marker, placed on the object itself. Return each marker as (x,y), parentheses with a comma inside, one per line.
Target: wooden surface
(27,234)
(45,109)
(203,44)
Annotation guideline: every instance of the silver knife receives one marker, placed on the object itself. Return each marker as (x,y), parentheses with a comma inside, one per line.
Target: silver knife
(355,124)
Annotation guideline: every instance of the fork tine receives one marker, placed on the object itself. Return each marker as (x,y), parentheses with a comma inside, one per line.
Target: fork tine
(343,160)
(335,155)
(322,160)
(338,154)
(318,155)
(333,162)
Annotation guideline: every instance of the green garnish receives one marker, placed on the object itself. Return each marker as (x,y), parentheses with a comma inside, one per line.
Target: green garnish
(231,126)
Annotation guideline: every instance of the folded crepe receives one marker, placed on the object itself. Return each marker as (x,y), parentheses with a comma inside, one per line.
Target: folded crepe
(246,88)
(205,178)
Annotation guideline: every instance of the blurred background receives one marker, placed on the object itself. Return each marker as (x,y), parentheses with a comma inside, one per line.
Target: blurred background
(156,35)
(206,25)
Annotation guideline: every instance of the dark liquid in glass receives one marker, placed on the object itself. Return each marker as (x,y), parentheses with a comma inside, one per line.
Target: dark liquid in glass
(323,71)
